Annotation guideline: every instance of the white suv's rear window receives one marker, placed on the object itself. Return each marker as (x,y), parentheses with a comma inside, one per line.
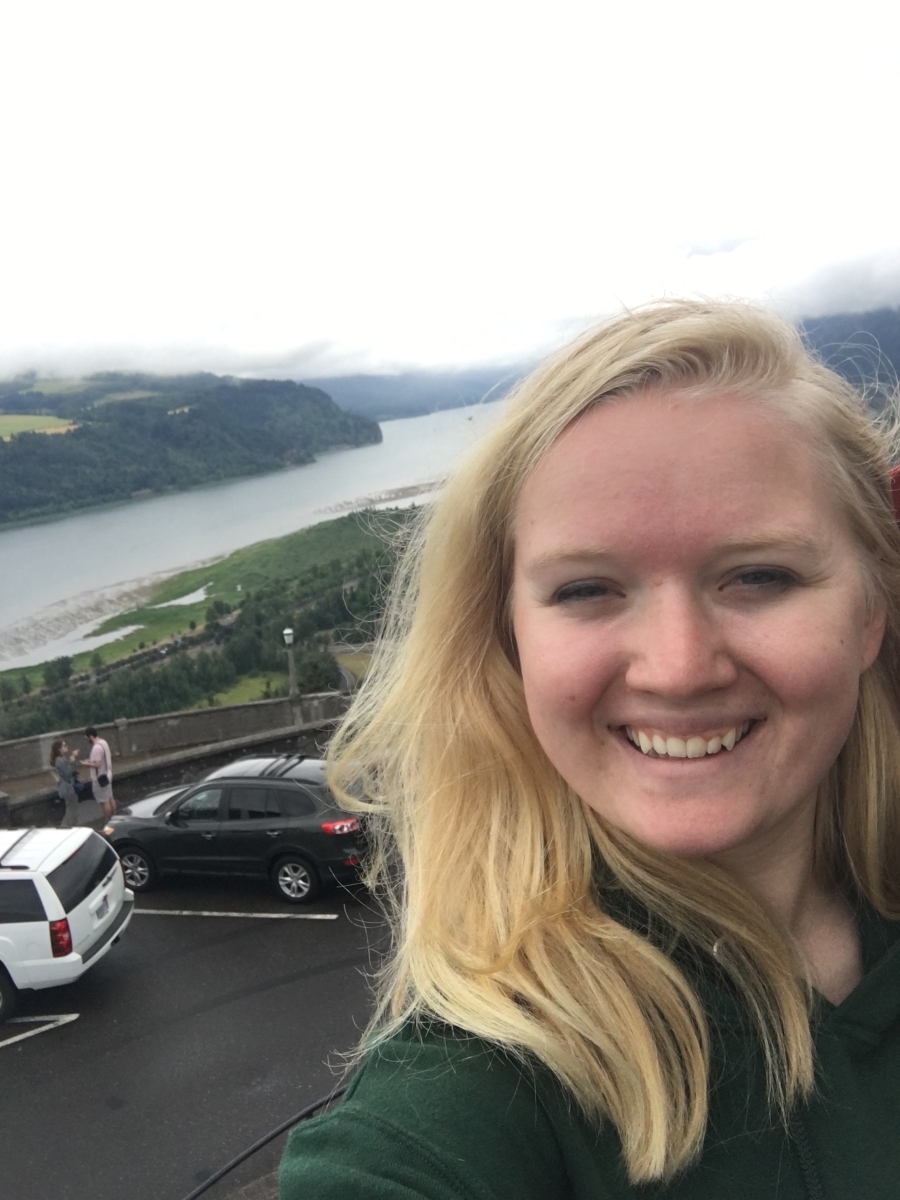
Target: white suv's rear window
(75,879)
(20,902)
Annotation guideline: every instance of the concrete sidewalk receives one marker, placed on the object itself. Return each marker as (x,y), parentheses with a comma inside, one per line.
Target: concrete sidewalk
(33,796)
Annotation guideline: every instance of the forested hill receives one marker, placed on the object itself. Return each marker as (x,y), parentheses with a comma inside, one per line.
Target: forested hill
(136,434)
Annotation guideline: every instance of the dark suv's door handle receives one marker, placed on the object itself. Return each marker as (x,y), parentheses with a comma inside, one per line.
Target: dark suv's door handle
(274,832)
(208,836)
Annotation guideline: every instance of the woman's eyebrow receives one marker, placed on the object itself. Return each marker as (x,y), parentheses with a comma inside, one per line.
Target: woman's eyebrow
(750,544)
(563,555)
(773,540)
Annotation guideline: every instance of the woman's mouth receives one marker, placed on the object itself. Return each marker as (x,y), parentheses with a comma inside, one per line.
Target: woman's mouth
(656,744)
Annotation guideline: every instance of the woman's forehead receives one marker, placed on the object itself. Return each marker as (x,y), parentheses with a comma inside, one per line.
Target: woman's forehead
(670,461)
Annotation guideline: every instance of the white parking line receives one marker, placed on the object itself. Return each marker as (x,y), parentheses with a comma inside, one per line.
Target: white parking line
(49,1022)
(190,912)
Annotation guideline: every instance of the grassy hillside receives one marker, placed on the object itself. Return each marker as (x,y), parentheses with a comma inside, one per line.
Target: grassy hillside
(226,645)
(13,423)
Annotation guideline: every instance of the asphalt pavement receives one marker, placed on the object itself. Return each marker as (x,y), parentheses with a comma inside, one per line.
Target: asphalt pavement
(194,1036)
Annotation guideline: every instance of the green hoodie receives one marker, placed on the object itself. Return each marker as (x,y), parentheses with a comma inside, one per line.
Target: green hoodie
(439,1115)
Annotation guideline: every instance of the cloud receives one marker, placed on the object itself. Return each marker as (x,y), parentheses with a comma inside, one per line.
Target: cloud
(718,245)
(855,285)
(318,358)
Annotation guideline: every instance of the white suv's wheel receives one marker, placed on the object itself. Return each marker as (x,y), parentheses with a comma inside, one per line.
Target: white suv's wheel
(9,996)
(294,879)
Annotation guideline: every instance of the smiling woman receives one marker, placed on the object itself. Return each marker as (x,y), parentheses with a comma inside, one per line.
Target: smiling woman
(631,740)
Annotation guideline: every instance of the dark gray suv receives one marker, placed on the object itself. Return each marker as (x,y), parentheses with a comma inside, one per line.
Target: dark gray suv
(272,817)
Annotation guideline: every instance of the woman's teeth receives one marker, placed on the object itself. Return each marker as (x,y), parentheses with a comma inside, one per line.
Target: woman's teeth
(693,747)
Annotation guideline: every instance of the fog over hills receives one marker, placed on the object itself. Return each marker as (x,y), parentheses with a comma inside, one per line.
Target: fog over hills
(864,347)
(381,397)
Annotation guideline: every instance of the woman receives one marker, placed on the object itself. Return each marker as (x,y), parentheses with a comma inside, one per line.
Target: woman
(62,763)
(634,735)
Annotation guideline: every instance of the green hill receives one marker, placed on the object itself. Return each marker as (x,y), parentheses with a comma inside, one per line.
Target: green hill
(136,434)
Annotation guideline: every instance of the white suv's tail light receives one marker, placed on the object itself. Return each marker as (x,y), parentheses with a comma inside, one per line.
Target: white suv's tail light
(60,938)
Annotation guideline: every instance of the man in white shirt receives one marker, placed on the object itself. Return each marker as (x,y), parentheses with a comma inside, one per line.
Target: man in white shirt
(100,763)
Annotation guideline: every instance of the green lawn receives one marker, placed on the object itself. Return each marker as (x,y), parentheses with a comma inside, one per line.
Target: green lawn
(12,423)
(357,662)
(252,687)
(58,387)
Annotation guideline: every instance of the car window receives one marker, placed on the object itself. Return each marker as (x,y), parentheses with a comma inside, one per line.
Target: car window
(19,901)
(294,803)
(323,794)
(202,806)
(75,879)
(246,803)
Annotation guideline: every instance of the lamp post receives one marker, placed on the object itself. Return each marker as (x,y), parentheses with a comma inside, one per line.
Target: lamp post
(288,635)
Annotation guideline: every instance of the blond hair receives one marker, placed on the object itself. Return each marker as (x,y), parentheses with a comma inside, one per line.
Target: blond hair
(502,883)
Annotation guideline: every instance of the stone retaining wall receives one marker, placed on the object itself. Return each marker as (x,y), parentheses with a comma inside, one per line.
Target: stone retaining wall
(175,731)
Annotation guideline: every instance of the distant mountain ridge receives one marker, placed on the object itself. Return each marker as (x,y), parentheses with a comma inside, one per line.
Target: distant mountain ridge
(138,433)
(863,347)
(859,346)
(414,393)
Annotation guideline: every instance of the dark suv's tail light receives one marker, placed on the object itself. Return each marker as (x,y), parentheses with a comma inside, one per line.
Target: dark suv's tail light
(348,825)
(60,938)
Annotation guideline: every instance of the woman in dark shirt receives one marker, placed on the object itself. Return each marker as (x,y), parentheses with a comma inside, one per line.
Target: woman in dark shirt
(631,744)
(63,765)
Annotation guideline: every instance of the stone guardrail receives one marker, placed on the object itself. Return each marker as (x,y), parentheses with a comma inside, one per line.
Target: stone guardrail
(175,731)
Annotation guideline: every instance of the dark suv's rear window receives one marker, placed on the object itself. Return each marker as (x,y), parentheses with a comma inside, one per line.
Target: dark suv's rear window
(76,878)
(293,803)
(19,901)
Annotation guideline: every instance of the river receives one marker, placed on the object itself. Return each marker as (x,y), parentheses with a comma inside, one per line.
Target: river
(61,578)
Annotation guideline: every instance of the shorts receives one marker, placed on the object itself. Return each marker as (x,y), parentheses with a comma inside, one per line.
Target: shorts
(102,794)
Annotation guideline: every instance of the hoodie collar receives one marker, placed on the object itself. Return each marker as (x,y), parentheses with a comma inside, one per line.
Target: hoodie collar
(873,1007)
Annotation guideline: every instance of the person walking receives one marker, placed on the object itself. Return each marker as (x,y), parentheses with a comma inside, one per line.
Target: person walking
(100,763)
(62,763)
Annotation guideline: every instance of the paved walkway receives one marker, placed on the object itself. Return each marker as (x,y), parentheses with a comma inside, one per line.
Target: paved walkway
(262,1189)
(33,797)
(39,789)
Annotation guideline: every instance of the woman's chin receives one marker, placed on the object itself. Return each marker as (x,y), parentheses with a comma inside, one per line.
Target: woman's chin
(702,834)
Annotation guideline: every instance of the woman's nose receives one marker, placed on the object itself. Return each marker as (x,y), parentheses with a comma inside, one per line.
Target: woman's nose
(678,648)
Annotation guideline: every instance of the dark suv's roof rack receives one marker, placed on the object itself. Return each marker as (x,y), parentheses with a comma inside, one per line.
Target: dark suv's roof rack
(284,764)
(274,767)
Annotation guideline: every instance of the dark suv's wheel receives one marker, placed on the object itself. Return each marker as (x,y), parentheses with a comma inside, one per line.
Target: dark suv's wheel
(294,879)
(139,868)
(9,996)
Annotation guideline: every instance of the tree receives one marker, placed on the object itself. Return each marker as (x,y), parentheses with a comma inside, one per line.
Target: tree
(59,671)
(96,660)
(7,690)
(25,685)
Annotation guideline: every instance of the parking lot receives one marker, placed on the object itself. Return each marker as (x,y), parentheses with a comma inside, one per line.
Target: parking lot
(192,1038)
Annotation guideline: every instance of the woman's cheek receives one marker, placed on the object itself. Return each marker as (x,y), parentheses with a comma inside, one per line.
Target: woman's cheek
(563,675)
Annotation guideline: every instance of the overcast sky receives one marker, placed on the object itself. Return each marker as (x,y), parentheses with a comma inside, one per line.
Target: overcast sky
(301,188)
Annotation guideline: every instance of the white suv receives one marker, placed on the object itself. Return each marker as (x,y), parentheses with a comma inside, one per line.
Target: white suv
(63,903)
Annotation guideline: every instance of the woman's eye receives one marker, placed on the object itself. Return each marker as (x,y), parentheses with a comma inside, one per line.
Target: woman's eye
(768,579)
(590,589)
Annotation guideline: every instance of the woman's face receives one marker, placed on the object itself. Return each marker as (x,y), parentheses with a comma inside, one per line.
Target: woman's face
(691,620)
